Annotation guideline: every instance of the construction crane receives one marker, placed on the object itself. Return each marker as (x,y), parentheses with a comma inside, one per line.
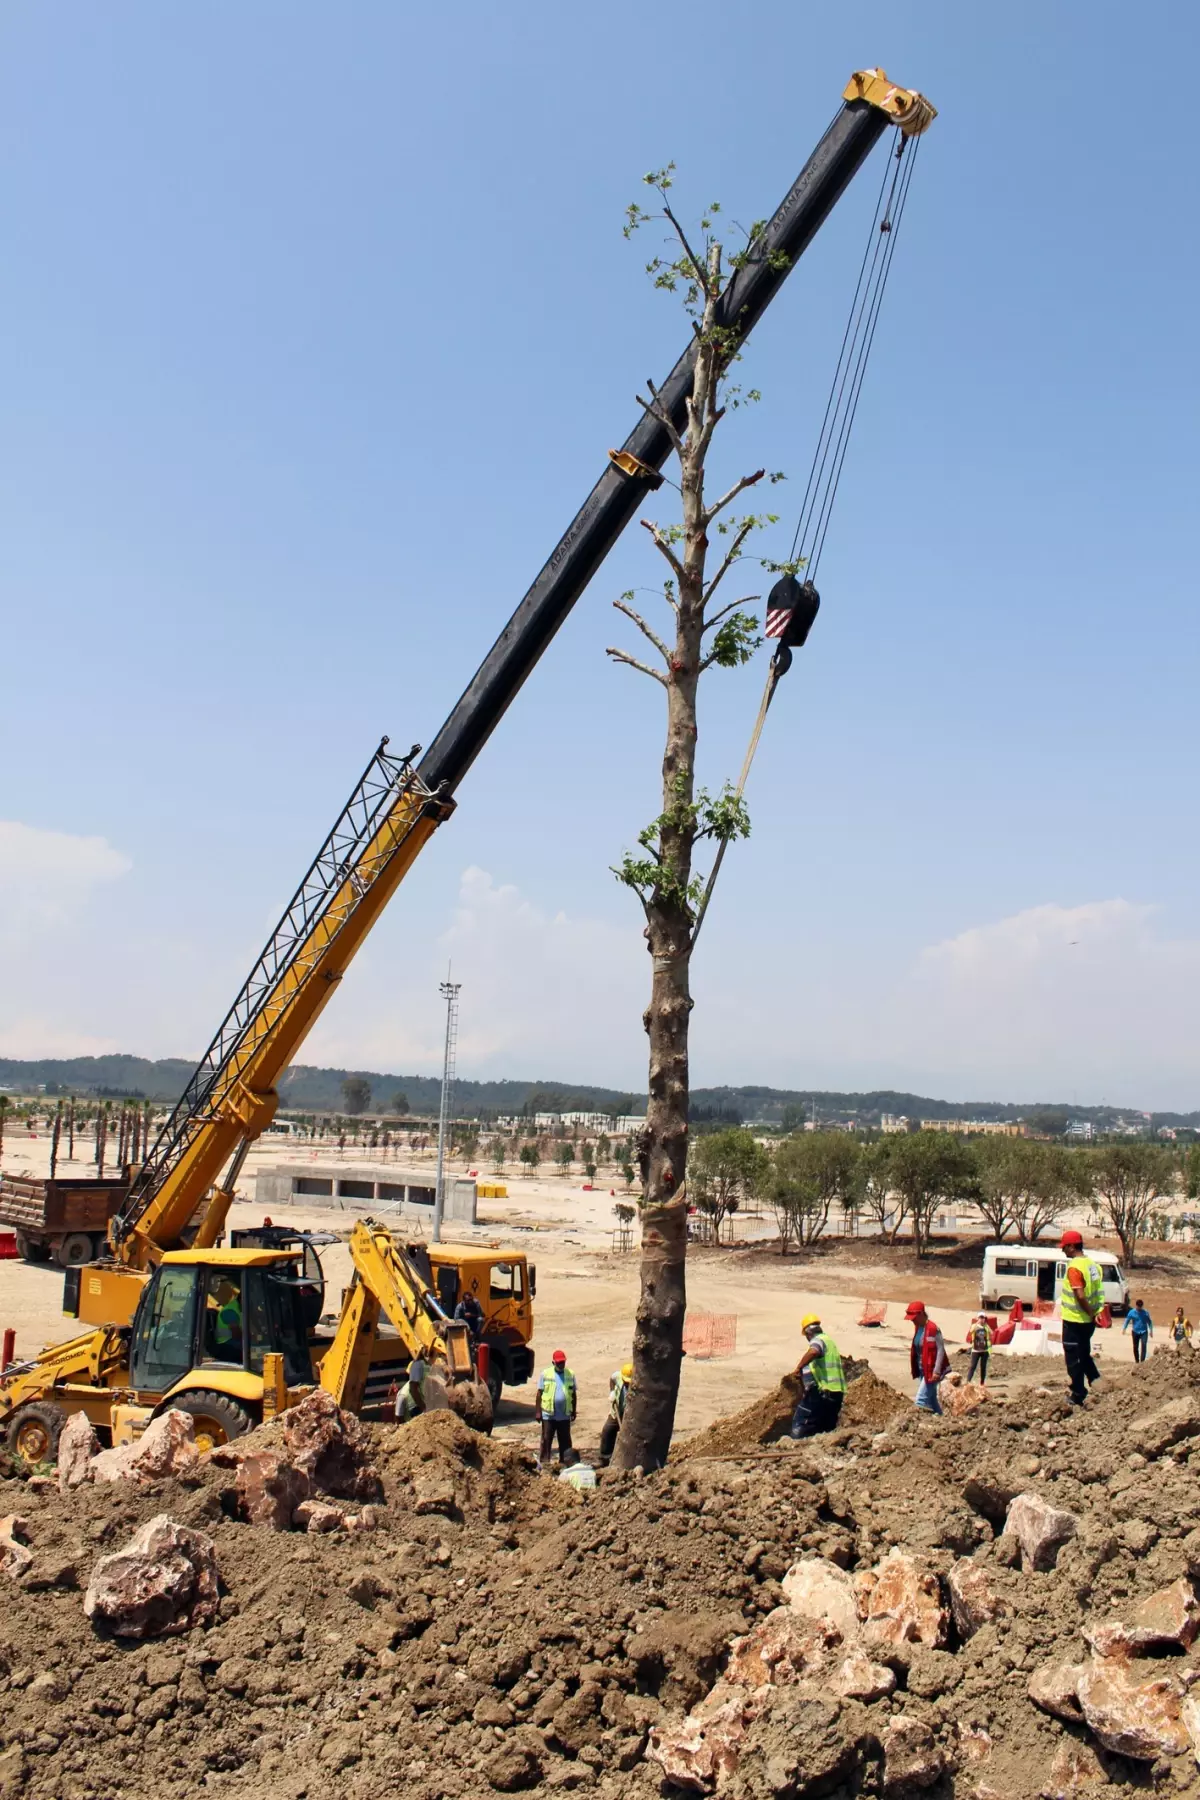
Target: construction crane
(179,1199)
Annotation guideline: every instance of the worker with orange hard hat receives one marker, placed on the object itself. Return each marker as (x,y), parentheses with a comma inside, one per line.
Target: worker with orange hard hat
(557,1397)
(824,1382)
(1081,1303)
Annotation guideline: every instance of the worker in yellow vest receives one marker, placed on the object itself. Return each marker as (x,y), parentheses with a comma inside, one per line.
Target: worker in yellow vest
(557,1396)
(618,1394)
(820,1369)
(1082,1301)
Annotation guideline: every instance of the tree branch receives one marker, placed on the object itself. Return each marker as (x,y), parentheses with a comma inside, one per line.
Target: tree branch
(731,557)
(698,268)
(663,545)
(622,656)
(644,629)
(737,488)
(732,607)
(654,407)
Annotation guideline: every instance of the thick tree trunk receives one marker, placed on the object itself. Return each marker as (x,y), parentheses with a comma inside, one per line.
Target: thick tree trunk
(649,1418)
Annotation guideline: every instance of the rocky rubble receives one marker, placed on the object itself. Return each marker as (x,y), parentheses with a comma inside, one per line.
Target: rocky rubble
(881,1612)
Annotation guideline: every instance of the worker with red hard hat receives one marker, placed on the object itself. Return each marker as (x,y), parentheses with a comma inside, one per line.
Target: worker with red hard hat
(927,1356)
(1081,1302)
(557,1397)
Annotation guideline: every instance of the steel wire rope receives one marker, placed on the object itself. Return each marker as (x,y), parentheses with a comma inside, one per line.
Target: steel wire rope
(825,477)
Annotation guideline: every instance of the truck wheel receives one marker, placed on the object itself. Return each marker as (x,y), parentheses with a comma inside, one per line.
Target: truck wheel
(72,1250)
(34,1430)
(218,1418)
(29,1250)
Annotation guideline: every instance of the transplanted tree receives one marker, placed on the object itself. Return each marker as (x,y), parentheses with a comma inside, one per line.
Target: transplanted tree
(356,1092)
(531,1156)
(564,1156)
(700,633)
(813,1172)
(727,1168)
(1026,1186)
(888,1208)
(1129,1177)
(399,1104)
(930,1169)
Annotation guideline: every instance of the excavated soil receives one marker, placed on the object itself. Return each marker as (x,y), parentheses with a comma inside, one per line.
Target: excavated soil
(504,1632)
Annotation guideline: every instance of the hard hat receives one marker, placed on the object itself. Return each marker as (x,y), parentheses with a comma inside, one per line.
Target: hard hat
(1071,1237)
(809,1319)
(559,1356)
(914,1309)
(626,1371)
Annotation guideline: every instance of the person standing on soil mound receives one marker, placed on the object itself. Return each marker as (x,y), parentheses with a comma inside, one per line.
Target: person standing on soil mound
(1082,1302)
(557,1397)
(618,1394)
(927,1356)
(1181,1330)
(820,1369)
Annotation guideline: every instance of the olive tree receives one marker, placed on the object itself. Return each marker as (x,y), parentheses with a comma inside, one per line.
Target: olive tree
(813,1172)
(727,1167)
(1129,1178)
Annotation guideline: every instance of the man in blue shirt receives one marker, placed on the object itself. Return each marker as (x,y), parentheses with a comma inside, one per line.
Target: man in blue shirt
(1142,1326)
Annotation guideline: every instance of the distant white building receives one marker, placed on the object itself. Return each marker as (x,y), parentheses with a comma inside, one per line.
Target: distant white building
(893,1123)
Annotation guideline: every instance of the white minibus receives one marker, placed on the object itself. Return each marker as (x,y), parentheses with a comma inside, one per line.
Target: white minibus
(1029,1272)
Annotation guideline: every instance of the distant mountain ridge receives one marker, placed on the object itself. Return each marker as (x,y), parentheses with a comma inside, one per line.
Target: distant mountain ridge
(306,1088)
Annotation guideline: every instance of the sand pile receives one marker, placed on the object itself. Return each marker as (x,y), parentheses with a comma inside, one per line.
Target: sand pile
(766,1421)
(499,1632)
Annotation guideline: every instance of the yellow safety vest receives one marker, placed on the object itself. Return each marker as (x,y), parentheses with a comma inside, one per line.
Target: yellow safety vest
(826,1369)
(1073,1313)
(546,1394)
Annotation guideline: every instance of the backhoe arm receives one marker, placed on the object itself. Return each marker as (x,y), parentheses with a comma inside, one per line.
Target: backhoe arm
(388,1282)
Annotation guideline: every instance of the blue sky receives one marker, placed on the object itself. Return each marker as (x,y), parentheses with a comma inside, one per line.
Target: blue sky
(318,324)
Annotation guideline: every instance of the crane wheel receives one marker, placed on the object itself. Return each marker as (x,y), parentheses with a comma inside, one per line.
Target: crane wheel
(29,1251)
(34,1430)
(217,1417)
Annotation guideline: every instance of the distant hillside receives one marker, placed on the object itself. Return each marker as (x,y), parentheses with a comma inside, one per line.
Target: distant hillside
(320,1090)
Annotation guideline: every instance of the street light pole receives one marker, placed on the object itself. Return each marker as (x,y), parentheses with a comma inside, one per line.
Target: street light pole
(449,991)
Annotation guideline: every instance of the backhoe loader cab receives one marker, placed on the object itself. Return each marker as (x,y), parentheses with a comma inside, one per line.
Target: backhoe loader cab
(205,1324)
(504,1285)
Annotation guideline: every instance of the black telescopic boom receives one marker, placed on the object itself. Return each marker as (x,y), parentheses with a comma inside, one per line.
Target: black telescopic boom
(616,496)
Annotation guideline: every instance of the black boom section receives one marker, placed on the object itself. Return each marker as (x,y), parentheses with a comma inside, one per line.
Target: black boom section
(616,496)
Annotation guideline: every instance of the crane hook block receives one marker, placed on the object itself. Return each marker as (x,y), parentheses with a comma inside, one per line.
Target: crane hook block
(634,466)
(904,106)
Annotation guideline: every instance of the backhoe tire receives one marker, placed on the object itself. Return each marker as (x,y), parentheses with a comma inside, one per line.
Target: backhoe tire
(29,1250)
(34,1430)
(73,1250)
(218,1418)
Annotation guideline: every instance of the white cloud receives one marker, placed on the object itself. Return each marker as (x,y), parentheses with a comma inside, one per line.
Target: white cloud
(30,1037)
(543,993)
(46,877)
(1059,1000)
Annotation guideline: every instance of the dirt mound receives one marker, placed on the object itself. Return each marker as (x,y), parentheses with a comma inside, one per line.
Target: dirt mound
(769,1419)
(499,1631)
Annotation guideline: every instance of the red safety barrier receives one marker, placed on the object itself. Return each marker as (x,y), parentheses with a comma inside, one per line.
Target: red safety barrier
(1017,1313)
(1043,1309)
(710,1334)
(8,1349)
(8,1246)
(1104,1319)
(874,1312)
(483,1362)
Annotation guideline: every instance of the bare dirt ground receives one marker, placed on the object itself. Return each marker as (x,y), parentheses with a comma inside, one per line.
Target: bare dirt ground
(498,1632)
